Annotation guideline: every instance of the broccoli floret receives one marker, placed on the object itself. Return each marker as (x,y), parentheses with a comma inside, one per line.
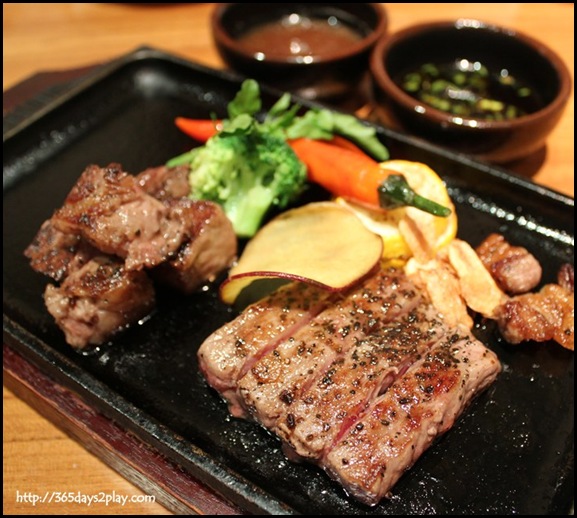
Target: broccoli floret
(247,174)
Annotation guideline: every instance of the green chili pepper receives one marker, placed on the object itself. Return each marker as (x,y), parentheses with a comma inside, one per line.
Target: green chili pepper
(395,192)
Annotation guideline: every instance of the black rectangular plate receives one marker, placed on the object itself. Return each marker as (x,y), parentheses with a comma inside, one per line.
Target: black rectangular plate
(510,453)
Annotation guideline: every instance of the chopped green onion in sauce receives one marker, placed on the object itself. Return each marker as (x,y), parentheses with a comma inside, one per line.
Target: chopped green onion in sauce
(470,90)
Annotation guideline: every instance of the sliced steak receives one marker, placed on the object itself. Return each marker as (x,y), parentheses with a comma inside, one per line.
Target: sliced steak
(113,213)
(355,379)
(360,386)
(418,407)
(209,248)
(279,377)
(98,300)
(228,353)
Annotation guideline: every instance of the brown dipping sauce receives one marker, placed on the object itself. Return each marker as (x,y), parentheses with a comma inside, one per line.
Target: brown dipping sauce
(298,36)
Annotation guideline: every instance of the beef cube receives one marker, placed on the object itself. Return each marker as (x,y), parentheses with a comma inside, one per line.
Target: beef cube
(209,248)
(98,300)
(55,253)
(165,182)
(110,210)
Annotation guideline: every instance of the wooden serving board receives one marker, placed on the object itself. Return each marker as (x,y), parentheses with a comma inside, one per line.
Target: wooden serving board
(132,458)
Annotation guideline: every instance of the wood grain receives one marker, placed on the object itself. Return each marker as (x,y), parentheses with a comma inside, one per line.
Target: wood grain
(39,456)
(163,481)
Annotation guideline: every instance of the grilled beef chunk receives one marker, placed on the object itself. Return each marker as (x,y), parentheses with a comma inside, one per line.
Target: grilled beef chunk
(209,248)
(542,316)
(113,213)
(317,373)
(165,182)
(514,269)
(99,299)
(55,253)
(209,243)
(124,227)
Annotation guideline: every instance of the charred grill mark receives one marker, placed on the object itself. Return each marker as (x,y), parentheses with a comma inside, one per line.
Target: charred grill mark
(286,397)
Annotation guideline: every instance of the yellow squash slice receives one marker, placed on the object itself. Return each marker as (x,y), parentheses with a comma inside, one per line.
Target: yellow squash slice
(409,232)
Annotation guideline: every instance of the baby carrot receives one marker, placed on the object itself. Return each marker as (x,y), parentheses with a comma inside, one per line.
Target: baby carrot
(203,129)
(198,129)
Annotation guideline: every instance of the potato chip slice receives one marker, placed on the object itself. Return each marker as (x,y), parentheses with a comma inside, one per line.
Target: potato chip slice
(321,243)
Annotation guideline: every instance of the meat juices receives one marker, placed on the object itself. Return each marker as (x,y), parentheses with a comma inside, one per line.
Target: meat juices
(114,234)
(341,368)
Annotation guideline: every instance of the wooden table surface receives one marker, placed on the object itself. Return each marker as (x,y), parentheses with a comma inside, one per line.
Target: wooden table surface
(38,457)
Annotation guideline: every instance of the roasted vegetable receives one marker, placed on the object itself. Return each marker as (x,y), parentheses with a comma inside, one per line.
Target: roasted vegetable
(356,176)
(247,164)
(395,192)
(321,243)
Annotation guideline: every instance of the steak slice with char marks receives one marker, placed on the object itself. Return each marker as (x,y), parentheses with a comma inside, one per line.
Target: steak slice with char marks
(280,376)
(228,353)
(418,407)
(354,380)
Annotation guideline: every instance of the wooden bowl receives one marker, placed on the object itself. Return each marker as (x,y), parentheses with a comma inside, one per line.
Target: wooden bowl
(510,56)
(318,51)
